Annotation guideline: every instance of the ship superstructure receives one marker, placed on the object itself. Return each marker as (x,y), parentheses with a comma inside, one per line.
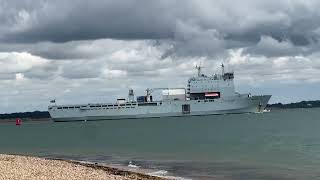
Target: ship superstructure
(203,95)
(212,87)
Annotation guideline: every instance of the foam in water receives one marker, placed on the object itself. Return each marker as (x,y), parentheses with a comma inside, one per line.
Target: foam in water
(131,165)
(159,173)
(164,173)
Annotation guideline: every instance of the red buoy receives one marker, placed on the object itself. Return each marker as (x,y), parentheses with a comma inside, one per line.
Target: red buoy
(18,121)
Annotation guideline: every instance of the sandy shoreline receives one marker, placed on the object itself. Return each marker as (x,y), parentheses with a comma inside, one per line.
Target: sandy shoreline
(27,167)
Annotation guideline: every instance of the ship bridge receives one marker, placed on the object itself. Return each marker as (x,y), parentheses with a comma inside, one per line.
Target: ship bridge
(211,87)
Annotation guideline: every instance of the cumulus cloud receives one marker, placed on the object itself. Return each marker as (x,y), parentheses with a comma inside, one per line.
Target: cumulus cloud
(285,69)
(276,48)
(193,40)
(19,63)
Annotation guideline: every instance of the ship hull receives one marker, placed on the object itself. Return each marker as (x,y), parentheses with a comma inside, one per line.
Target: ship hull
(235,105)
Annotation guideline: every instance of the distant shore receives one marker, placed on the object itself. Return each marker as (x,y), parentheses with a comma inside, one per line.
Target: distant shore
(27,167)
(25,120)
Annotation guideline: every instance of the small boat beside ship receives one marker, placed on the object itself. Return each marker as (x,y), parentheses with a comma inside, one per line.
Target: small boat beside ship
(204,95)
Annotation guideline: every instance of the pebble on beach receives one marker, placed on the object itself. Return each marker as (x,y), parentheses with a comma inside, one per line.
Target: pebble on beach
(24,167)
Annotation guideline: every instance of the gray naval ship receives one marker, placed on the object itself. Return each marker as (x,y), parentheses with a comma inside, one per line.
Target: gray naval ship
(204,95)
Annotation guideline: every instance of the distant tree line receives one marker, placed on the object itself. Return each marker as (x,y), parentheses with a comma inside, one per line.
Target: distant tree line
(302,104)
(31,115)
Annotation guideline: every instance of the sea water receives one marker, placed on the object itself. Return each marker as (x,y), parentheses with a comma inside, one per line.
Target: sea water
(281,144)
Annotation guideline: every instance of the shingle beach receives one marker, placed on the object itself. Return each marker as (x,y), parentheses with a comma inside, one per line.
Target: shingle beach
(14,167)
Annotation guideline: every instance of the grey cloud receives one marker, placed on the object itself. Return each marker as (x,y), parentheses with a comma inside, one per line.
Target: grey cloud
(86,49)
(81,69)
(6,76)
(272,47)
(191,39)
(61,21)
(216,25)
(45,72)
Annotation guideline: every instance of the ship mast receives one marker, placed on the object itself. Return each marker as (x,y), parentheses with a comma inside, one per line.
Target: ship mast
(222,69)
(199,70)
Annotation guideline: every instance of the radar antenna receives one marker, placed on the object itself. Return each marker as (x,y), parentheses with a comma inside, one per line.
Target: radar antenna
(199,69)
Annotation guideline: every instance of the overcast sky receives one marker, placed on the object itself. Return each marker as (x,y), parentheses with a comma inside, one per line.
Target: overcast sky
(92,51)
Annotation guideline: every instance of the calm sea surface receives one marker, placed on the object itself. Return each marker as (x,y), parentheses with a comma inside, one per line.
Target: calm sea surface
(276,145)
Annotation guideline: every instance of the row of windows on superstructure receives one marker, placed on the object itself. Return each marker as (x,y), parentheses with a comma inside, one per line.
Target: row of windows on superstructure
(207,86)
(110,106)
(202,81)
(219,77)
(98,106)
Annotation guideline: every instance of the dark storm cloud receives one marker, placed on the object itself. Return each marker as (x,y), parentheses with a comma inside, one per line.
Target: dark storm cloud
(190,28)
(87,49)
(60,21)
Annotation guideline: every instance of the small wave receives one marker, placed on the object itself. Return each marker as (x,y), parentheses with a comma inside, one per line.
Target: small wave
(159,173)
(164,173)
(176,178)
(131,165)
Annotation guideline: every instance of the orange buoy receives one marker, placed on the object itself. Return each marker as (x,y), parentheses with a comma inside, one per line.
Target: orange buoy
(18,121)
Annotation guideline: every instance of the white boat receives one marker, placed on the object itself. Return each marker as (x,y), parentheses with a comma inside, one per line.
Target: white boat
(204,95)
